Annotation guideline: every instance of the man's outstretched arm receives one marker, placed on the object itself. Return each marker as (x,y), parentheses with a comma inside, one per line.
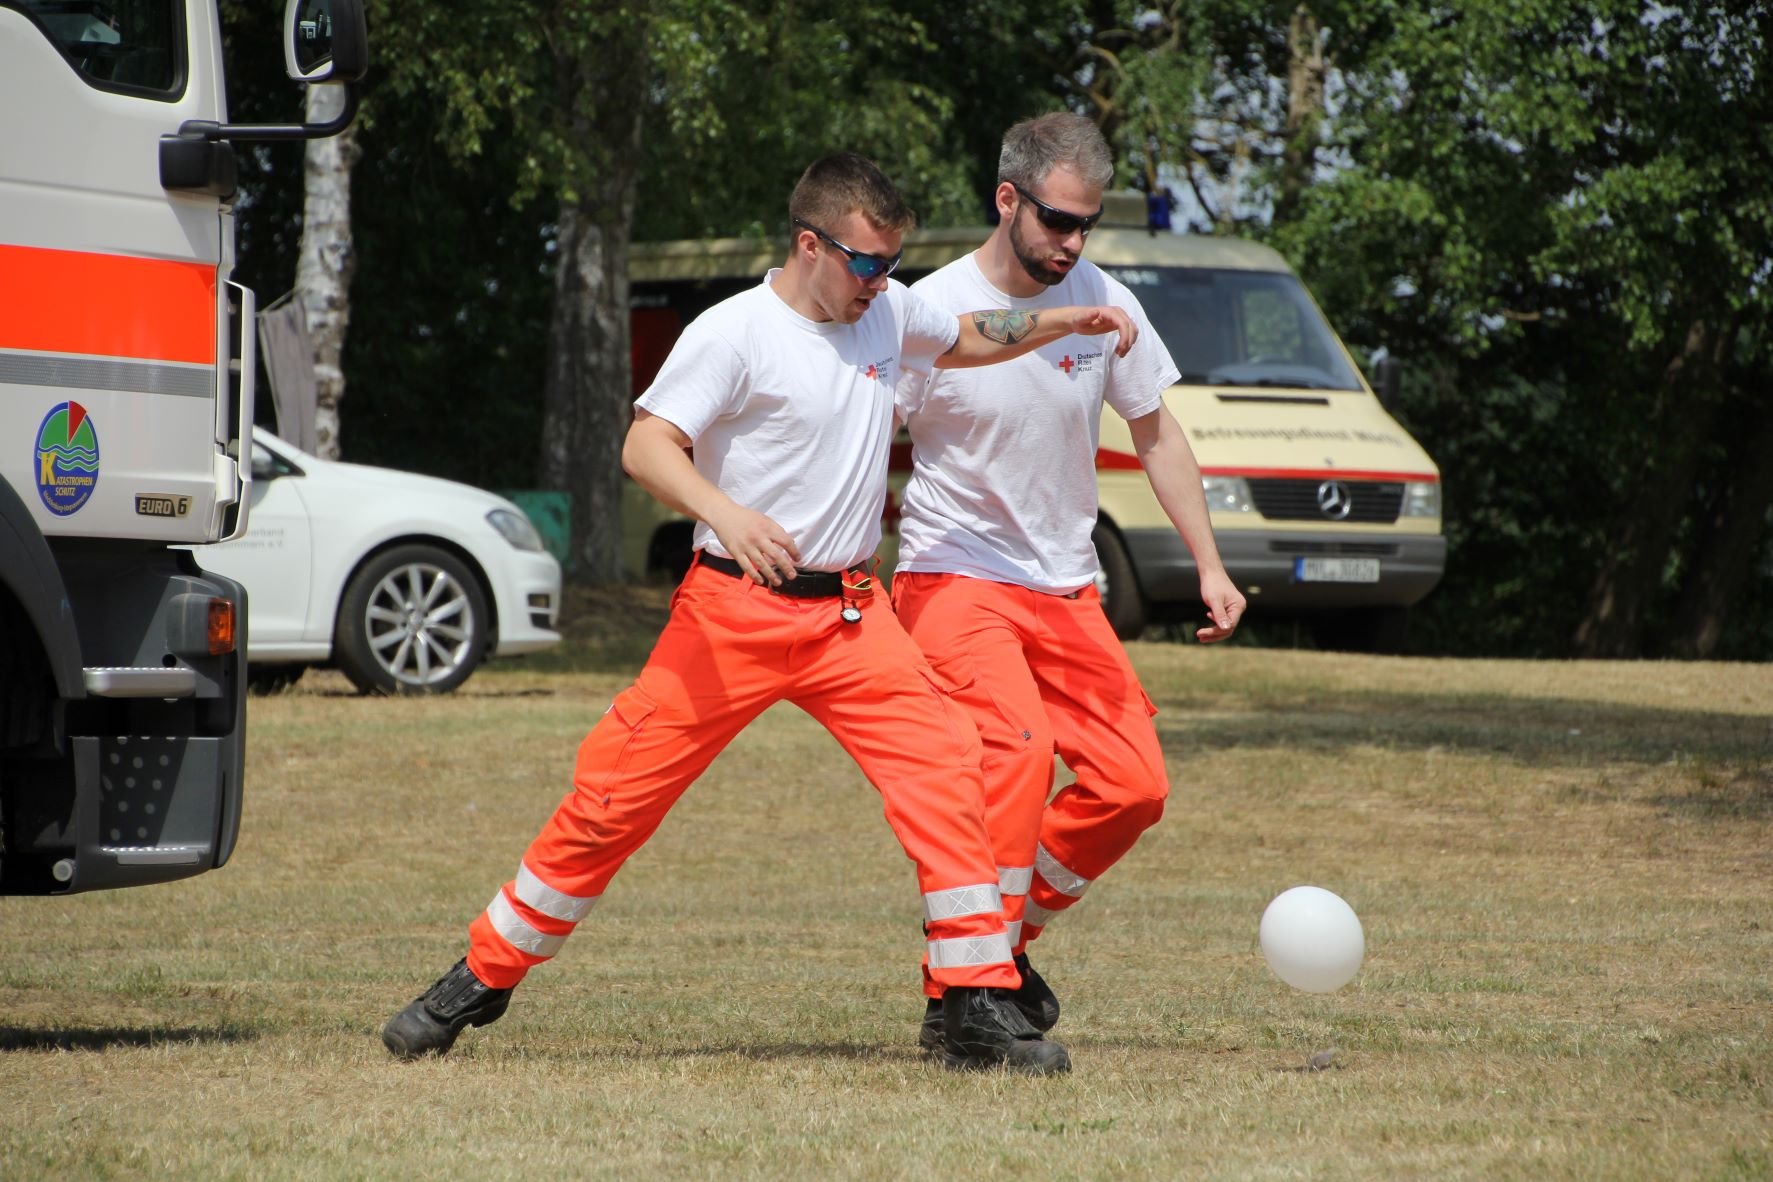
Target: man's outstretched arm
(998,334)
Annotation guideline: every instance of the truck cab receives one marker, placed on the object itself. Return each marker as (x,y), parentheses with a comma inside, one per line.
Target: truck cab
(126,365)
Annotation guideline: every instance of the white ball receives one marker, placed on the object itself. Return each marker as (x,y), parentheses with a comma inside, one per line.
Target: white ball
(1312,939)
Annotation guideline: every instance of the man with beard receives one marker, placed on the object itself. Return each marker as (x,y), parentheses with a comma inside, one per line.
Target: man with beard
(996,575)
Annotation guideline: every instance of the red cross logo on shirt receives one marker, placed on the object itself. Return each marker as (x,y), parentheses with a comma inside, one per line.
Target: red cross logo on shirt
(1067,365)
(873,373)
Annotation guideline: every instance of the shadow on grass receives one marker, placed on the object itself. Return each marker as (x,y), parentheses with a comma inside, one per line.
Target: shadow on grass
(104,1038)
(1530,731)
(781,1051)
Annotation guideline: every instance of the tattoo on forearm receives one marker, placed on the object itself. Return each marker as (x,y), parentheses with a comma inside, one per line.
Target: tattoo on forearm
(1006,326)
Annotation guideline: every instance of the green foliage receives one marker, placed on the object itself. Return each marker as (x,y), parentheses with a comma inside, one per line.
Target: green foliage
(1556,213)
(1555,202)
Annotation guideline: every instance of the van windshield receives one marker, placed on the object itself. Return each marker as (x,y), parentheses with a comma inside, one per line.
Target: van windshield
(1240,328)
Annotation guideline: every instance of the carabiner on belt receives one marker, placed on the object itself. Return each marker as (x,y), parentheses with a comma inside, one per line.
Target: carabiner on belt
(861,588)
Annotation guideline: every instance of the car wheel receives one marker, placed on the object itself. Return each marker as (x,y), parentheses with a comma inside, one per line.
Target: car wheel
(1117,584)
(413,620)
(272,679)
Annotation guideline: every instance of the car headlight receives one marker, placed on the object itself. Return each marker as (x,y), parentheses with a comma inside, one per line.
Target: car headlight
(1421,499)
(515,528)
(1227,494)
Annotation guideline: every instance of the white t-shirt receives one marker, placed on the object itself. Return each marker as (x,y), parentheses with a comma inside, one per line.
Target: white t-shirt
(1003,481)
(793,418)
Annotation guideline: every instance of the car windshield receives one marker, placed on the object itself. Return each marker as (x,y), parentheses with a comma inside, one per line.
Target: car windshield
(1240,328)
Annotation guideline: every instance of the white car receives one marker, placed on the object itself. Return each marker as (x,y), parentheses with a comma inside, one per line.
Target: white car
(405,583)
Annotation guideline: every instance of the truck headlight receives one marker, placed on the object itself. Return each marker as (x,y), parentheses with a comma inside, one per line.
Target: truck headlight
(515,528)
(1421,499)
(1227,494)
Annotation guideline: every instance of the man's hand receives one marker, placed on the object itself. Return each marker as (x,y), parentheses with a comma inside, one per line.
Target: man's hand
(1093,322)
(761,547)
(1225,607)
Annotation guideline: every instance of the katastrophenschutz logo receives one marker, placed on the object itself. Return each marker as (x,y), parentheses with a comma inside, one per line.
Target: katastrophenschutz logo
(67,458)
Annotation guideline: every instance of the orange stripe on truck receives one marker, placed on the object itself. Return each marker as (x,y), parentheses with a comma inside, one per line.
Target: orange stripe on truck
(68,301)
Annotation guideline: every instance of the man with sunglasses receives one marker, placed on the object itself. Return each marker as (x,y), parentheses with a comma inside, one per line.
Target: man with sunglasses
(786,393)
(996,575)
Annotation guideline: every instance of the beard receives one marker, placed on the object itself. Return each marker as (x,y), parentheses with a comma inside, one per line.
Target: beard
(1033,263)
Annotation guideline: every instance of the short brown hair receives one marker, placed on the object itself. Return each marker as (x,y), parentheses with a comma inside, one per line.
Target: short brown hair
(1034,147)
(835,186)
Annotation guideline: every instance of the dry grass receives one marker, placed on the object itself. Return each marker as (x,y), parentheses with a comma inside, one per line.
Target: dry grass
(1565,872)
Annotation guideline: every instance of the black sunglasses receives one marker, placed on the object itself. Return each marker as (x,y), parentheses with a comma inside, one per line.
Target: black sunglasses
(1057,220)
(862,266)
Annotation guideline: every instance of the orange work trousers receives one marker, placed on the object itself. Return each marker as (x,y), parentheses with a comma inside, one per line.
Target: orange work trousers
(1041,673)
(731,649)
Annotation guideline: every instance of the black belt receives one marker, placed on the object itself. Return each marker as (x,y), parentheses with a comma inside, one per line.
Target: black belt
(808,584)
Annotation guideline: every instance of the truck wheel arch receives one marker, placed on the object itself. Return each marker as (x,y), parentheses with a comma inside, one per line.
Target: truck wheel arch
(29,572)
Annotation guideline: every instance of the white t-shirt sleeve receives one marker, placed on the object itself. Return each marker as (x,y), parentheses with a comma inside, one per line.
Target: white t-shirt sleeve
(1136,382)
(703,378)
(927,332)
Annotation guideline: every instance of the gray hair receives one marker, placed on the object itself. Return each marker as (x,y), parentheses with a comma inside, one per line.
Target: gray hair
(1034,147)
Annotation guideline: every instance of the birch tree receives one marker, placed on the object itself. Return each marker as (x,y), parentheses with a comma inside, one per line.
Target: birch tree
(327,261)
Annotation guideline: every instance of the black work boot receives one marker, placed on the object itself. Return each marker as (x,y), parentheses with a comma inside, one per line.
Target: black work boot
(1036,999)
(430,1024)
(929,1035)
(982,1029)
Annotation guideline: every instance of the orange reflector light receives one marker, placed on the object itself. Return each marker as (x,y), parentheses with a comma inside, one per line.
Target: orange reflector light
(221,627)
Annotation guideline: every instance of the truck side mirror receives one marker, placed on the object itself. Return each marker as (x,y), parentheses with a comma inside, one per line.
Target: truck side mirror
(325,40)
(1390,372)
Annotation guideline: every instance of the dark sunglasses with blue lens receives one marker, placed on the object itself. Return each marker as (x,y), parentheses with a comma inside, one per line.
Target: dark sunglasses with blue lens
(1057,220)
(862,266)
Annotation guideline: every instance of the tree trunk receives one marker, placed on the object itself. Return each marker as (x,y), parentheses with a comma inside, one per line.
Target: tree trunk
(1725,555)
(1630,579)
(588,396)
(1305,105)
(327,261)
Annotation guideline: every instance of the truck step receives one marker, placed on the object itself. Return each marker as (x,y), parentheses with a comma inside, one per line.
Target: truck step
(140,681)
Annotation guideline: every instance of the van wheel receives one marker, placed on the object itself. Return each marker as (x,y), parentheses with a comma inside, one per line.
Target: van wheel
(413,620)
(1118,585)
(1382,630)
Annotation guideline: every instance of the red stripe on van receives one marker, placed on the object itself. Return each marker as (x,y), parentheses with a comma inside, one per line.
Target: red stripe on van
(1122,461)
(1117,461)
(1322,474)
(67,301)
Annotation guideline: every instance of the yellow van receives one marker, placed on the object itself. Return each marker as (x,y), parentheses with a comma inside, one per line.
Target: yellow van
(1325,509)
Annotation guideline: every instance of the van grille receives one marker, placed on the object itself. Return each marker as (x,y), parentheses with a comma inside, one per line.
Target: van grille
(1371,502)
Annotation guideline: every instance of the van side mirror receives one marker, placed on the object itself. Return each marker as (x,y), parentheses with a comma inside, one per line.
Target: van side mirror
(1390,372)
(325,40)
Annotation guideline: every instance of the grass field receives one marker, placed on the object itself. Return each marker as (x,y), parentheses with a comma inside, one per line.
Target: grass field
(1565,872)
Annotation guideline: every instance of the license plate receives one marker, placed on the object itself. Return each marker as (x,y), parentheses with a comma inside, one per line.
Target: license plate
(1335,570)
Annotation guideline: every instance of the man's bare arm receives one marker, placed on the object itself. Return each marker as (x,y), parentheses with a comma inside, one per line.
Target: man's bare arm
(653,453)
(1174,474)
(999,334)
